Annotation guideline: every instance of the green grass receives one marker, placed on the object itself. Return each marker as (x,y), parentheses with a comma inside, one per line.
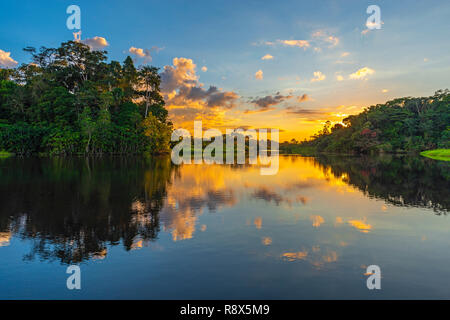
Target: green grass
(437,154)
(4,154)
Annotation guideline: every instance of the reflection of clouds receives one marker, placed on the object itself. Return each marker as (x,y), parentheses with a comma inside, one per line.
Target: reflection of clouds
(267,241)
(330,257)
(180,215)
(316,220)
(361,225)
(293,256)
(100,255)
(270,195)
(267,195)
(315,256)
(194,189)
(191,192)
(5,238)
(258,222)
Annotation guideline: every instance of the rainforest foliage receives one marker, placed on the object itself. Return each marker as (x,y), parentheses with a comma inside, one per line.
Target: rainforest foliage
(400,125)
(70,100)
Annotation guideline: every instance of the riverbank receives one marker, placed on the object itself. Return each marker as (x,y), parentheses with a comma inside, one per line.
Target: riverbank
(437,154)
(5,154)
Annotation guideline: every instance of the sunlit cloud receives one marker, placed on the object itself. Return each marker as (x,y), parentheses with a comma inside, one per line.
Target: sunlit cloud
(339,78)
(296,43)
(96,43)
(204,69)
(259,75)
(305,112)
(267,57)
(318,40)
(270,100)
(345,54)
(6,60)
(325,37)
(384,90)
(362,73)
(180,86)
(267,241)
(304,97)
(318,76)
(141,53)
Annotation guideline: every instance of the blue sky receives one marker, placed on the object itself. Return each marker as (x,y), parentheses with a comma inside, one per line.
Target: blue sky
(409,55)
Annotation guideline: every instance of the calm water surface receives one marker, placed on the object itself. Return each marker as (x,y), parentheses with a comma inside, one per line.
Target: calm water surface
(145,229)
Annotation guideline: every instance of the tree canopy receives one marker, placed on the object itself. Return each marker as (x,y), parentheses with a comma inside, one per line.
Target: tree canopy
(70,100)
(400,125)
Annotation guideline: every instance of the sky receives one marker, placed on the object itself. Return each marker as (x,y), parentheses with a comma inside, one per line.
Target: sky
(290,65)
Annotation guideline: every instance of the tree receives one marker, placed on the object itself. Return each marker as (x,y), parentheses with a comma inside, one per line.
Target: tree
(158,134)
(69,100)
(87,126)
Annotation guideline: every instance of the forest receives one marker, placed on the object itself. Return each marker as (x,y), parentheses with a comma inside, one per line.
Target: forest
(403,125)
(69,100)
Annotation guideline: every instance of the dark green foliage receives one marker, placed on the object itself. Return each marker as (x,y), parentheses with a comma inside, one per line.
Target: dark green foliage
(70,100)
(401,125)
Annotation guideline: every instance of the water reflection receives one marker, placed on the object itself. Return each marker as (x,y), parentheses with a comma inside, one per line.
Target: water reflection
(402,181)
(74,209)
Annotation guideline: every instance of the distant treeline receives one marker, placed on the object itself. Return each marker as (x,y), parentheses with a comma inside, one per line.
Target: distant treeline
(397,126)
(69,100)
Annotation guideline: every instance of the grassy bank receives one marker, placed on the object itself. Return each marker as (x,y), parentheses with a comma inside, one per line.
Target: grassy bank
(437,154)
(4,154)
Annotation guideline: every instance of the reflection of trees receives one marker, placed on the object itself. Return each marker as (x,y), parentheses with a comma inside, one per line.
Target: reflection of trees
(400,180)
(73,208)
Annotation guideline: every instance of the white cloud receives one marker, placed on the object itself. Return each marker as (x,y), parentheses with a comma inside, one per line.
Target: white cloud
(259,75)
(267,57)
(362,73)
(96,43)
(6,60)
(318,76)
